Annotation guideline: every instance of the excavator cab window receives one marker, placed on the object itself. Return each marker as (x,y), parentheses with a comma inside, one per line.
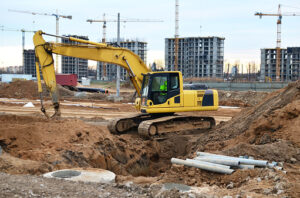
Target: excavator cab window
(145,88)
(159,87)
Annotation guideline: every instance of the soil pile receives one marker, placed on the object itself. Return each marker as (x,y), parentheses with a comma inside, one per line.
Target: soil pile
(240,98)
(268,131)
(273,122)
(28,89)
(67,143)
(19,89)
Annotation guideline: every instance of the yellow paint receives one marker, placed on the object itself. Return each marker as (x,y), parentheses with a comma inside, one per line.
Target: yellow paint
(190,103)
(189,98)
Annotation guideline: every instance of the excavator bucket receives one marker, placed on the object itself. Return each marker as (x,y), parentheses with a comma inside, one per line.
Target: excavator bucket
(44,60)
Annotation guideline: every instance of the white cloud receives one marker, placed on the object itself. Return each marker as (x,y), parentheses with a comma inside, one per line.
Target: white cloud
(10,56)
(243,56)
(153,55)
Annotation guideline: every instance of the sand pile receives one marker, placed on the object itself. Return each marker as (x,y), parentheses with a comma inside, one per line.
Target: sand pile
(268,131)
(19,89)
(275,122)
(240,98)
(29,90)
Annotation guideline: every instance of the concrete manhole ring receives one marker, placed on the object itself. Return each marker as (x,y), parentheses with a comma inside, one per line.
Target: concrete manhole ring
(66,174)
(92,175)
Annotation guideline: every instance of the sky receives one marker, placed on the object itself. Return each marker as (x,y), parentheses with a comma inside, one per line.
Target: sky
(244,33)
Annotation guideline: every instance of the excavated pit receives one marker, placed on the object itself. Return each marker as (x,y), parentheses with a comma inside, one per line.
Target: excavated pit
(70,143)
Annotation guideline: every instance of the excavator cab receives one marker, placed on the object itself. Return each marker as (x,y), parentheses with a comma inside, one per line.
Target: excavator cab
(159,87)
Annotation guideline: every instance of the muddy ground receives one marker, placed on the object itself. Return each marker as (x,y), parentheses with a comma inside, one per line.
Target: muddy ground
(265,127)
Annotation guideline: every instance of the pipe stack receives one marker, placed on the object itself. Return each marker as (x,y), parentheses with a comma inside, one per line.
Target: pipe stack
(222,163)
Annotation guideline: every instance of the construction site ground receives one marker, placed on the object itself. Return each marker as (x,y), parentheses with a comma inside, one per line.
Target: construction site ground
(265,126)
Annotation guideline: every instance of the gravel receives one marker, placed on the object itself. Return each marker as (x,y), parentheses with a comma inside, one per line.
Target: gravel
(37,186)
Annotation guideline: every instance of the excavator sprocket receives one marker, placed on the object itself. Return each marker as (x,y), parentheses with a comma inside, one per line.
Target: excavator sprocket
(168,124)
(121,125)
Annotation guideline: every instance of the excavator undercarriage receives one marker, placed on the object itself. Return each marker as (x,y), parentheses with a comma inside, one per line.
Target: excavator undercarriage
(150,125)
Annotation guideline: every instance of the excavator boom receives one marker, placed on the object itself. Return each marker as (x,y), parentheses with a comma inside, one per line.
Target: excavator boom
(85,50)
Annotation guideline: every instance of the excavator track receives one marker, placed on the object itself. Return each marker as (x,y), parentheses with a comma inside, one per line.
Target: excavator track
(121,125)
(168,124)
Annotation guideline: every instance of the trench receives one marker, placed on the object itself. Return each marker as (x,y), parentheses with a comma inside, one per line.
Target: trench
(149,158)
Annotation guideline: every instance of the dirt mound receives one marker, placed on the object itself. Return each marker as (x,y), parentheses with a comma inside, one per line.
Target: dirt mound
(63,92)
(268,131)
(274,119)
(67,143)
(28,89)
(14,165)
(19,89)
(240,98)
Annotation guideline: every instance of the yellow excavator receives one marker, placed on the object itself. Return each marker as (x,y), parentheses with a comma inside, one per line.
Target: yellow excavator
(160,94)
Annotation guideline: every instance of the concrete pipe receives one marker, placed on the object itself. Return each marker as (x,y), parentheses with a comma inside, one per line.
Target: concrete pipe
(203,166)
(208,154)
(223,161)
(208,163)
(245,166)
(262,163)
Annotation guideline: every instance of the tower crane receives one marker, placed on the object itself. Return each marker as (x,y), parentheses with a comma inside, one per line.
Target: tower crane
(176,34)
(103,41)
(56,15)
(278,41)
(2,28)
(104,21)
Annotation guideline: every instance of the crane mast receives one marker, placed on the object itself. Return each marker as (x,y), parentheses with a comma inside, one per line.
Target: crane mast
(278,40)
(56,15)
(278,46)
(176,35)
(104,41)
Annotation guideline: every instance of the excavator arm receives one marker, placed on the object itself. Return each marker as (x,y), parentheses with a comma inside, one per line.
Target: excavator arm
(87,50)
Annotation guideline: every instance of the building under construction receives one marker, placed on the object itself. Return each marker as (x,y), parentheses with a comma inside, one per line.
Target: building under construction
(71,65)
(197,56)
(29,62)
(110,72)
(289,64)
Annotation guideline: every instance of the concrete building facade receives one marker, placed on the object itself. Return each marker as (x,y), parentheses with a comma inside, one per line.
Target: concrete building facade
(29,62)
(293,60)
(197,56)
(138,47)
(289,64)
(71,65)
